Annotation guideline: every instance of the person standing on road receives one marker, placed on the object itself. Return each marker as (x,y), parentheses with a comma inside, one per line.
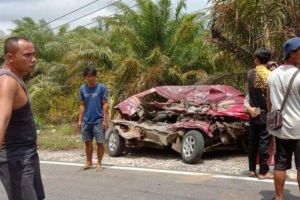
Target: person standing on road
(259,138)
(19,160)
(287,138)
(93,116)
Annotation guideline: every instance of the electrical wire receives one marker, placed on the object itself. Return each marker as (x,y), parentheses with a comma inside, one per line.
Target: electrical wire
(86,5)
(86,15)
(200,10)
(109,15)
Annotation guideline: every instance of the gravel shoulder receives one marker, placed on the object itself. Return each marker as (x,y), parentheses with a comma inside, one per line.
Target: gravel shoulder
(229,163)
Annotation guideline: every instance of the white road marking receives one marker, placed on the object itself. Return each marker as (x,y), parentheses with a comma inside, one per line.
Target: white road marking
(171,172)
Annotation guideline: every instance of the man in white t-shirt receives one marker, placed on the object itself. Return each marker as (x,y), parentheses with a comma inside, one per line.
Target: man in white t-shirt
(288,137)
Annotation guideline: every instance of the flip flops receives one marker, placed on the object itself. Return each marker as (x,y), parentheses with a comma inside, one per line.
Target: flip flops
(87,167)
(267,175)
(99,167)
(251,174)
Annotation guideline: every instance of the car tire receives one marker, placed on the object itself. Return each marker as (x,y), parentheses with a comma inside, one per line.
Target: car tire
(115,143)
(192,147)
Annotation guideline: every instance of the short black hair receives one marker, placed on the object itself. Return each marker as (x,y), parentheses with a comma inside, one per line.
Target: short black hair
(263,55)
(11,43)
(89,70)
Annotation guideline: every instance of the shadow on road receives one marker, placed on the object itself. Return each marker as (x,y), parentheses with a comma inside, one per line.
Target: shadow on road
(269,194)
(163,154)
(167,154)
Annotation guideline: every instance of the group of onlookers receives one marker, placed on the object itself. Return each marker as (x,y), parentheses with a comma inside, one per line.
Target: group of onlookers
(267,87)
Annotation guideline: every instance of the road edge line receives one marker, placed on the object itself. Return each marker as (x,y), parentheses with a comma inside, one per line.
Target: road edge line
(171,172)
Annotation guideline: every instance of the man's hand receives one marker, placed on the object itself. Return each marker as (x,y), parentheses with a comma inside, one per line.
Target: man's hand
(252,111)
(79,124)
(104,124)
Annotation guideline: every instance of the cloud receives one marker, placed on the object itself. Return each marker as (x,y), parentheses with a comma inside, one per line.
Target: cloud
(52,9)
(6,26)
(47,9)
(18,1)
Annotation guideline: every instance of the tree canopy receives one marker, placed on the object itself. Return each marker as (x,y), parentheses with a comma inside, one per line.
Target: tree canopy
(155,43)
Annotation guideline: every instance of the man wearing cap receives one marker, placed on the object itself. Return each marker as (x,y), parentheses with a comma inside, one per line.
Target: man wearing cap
(287,138)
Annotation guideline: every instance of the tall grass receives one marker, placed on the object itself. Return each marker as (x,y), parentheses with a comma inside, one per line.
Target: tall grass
(61,137)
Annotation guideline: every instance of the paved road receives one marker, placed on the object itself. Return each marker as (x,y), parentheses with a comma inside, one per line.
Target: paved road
(67,182)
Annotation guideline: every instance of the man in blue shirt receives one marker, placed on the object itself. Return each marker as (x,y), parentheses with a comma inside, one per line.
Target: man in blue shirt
(93,116)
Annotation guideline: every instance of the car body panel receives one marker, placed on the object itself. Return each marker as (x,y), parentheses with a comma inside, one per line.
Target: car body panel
(223,100)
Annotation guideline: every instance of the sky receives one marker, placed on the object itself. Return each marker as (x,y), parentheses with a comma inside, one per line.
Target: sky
(51,9)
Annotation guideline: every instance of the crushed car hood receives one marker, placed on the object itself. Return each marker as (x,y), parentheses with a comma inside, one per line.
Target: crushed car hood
(213,100)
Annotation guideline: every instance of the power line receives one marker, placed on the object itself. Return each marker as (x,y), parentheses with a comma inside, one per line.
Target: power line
(86,14)
(109,15)
(206,8)
(71,12)
(203,9)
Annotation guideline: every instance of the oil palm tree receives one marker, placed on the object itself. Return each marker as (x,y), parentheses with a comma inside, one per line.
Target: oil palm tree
(239,27)
(159,42)
(60,59)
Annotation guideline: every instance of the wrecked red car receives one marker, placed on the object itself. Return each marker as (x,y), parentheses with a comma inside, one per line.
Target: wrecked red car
(189,119)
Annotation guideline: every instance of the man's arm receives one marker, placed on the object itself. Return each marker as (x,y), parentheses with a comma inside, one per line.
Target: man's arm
(248,109)
(8,91)
(81,111)
(246,101)
(104,109)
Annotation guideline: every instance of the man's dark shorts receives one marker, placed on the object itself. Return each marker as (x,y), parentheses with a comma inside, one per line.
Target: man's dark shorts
(90,131)
(21,178)
(284,152)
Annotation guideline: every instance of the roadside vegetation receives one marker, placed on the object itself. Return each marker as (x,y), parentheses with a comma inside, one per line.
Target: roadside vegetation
(155,43)
(60,137)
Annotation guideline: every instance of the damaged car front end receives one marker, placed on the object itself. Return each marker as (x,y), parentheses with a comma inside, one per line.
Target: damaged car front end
(189,119)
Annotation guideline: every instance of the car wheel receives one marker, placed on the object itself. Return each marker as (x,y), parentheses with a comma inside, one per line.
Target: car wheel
(192,147)
(116,143)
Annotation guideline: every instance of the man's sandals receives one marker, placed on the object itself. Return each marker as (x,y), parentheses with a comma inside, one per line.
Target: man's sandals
(99,167)
(267,175)
(87,167)
(251,174)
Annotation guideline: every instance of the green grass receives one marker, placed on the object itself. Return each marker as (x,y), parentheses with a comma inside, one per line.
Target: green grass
(62,137)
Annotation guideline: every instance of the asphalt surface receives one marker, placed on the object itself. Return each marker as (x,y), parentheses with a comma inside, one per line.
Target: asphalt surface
(68,182)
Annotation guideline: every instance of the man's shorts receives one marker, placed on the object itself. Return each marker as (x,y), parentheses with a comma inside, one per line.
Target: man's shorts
(284,152)
(21,178)
(90,131)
